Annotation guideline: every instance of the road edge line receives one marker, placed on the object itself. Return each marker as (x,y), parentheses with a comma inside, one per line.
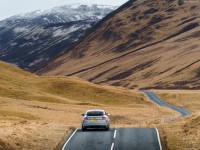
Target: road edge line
(158,136)
(69,139)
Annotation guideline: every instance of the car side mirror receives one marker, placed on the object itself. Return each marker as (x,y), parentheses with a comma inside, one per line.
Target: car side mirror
(83,115)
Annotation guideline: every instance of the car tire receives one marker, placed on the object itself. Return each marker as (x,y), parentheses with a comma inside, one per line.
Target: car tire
(84,129)
(107,128)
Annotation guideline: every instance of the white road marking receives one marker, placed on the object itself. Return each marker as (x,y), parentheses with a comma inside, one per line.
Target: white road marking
(112,146)
(115,134)
(158,136)
(69,139)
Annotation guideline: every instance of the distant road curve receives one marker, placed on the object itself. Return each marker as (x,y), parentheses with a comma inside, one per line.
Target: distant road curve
(161,102)
(115,139)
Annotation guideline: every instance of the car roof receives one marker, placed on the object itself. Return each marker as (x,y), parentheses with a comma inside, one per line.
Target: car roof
(95,110)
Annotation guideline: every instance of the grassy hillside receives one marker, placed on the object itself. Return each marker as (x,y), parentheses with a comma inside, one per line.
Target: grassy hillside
(143,44)
(38,112)
(18,84)
(182,134)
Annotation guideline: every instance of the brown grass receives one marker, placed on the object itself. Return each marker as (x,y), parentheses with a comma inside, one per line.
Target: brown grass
(33,135)
(38,112)
(184,134)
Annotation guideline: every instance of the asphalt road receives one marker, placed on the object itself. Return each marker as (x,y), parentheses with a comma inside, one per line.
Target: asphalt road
(161,102)
(115,139)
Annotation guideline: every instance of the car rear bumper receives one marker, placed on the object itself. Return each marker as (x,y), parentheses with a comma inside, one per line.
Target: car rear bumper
(96,126)
(87,124)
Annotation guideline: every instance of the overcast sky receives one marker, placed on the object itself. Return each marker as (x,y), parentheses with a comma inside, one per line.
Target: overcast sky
(12,7)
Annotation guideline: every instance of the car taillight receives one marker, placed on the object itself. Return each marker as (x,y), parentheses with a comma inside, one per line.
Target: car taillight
(85,118)
(104,118)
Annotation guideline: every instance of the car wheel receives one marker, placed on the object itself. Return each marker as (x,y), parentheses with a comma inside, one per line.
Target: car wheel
(107,128)
(84,129)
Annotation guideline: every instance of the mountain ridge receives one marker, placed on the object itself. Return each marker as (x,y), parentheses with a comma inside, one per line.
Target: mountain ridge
(131,47)
(70,14)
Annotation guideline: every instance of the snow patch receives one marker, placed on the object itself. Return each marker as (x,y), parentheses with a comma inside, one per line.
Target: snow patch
(26,44)
(64,32)
(31,52)
(33,38)
(39,11)
(36,61)
(21,29)
(77,17)
(75,6)
(13,44)
(46,19)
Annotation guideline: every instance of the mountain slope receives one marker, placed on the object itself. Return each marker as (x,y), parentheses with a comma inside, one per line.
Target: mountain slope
(26,86)
(142,44)
(29,40)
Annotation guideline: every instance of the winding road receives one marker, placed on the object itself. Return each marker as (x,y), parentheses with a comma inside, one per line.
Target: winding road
(115,139)
(161,102)
(121,138)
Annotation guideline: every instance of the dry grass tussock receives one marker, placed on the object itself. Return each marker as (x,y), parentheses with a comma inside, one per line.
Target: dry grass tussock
(38,112)
(184,134)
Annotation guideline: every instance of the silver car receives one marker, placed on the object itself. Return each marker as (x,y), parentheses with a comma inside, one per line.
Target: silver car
(95,119)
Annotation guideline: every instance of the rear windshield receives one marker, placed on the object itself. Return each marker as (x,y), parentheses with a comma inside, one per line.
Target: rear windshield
(95,113)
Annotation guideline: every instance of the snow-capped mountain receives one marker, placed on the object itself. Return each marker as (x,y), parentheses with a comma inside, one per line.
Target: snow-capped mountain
(66,13)
(29,40)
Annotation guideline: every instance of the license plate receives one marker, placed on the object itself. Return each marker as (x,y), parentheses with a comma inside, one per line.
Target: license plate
(94,120)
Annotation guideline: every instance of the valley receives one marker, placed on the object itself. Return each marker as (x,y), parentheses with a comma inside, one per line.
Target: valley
(58,63)
(44,109)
